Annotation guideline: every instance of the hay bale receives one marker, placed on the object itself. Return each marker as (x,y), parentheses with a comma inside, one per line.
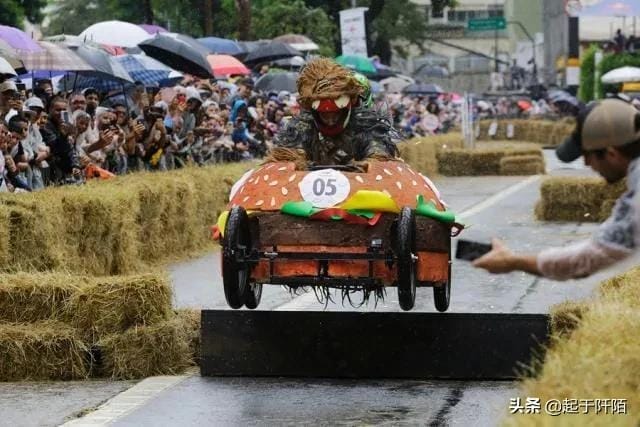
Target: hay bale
(599,359)
(31,297)
(103,237)
(482,160)
(42,351)
(115,304)
(190,320)
(553,211)
(35,226)
(142,351)
(5,249)
(521,165)
(574,191)
(566,316)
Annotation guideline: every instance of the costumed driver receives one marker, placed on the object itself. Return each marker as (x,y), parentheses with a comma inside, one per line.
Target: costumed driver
(334,127)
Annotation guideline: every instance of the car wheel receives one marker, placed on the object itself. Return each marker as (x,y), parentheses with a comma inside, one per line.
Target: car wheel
(252,295)
(442,294)
(236,244)
(405,251)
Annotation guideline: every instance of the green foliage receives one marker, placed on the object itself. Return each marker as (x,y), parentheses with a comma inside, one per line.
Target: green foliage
(587,74)
(73,16)
(12,13)
(282,17)
(613,61)
(33,9)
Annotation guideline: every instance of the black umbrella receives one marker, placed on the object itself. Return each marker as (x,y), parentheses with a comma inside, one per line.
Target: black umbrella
(276,82)
(270,52)
(179,52)
(422,89)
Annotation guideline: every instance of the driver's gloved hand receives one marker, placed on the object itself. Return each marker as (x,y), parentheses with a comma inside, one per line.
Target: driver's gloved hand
(341,157)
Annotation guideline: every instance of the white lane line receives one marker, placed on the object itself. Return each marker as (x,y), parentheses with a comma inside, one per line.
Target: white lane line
(308,300)
(127,401)
(499,196)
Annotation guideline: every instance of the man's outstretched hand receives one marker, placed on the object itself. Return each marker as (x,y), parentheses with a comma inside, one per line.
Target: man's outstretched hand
(502,260)
(498,260)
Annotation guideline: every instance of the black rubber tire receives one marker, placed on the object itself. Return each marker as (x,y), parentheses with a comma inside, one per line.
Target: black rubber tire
(442,294)
(235,275)
(405,249)
(252,295)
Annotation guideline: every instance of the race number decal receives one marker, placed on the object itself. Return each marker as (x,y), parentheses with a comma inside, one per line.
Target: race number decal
(324,188)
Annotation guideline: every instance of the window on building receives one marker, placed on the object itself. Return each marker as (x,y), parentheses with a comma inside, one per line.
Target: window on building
(462,16)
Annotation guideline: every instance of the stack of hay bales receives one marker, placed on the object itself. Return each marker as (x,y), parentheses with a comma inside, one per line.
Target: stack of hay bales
(547,133)
(114,227)
(576,199)
(493,158)
(598,358)
(60,326)
(421,153)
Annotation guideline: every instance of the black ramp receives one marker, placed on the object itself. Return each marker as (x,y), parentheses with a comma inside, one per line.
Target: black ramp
(369,345)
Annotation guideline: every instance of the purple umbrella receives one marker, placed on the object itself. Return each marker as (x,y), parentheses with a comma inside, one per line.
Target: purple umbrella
(18,40)
(612,8)
(152,29)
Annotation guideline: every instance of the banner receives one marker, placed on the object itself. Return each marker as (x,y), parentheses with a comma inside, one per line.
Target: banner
(353,31)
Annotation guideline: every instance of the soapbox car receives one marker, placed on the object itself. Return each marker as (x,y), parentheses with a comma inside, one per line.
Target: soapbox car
(336,227)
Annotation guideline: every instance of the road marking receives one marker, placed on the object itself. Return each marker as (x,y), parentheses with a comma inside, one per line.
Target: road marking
(309,299)
(127,401)
(501,195)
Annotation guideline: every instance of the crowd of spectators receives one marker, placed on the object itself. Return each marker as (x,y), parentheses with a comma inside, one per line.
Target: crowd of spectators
(51,138)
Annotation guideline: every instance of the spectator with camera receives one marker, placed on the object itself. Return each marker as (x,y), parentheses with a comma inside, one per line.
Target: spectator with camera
(57,135)
(38,162)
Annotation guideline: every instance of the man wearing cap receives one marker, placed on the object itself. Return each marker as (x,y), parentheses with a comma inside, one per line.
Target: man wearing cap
(607,135)
(8,91)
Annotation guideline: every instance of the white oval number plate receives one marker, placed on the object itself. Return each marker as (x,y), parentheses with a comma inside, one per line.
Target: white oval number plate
(324,188)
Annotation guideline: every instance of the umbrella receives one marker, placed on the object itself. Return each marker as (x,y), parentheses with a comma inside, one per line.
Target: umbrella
(152,29)
(422,89)
(104,65)
(17,39)
(66,39)
(10,55)
(115,33)
(358,63)
(144,68)
(179,52)
(270,52)
(524,105)
(612,8)
(276,82)
(290,63)
(432,71)
(223,65)
(394,84)
(223,46)
(6,70)
(54,57)
(297,41)
(622,75)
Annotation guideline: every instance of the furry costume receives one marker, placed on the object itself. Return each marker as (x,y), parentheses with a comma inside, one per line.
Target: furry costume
(368,135)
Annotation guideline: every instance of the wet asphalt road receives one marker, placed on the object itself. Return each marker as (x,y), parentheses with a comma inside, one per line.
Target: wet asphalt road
(272,401)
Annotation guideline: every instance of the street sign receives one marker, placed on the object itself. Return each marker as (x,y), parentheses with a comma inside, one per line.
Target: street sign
(486,24)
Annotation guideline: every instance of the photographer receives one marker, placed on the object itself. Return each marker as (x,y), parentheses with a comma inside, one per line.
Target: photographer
(607,135)
(155,140)
(57,134)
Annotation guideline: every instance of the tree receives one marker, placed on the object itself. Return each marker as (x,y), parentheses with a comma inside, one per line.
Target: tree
(12,13)
(33,10)
(243,9)
(387,22)
(282,17)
